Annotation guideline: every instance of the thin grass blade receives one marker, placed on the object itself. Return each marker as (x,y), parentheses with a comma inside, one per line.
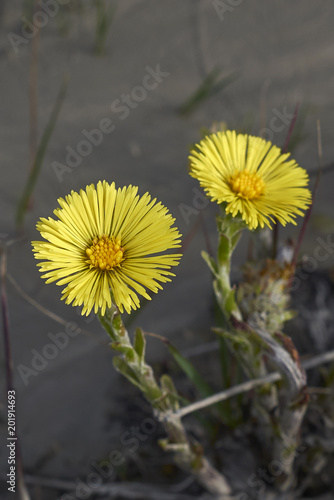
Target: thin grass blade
(37,165)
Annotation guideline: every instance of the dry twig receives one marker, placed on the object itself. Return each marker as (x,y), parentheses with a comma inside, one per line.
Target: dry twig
(313,362)
(124,490)
(21,488)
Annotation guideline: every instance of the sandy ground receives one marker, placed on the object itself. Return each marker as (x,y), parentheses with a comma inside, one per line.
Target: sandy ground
(68,411)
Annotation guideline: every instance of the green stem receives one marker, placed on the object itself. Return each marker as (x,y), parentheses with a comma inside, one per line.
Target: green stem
(230,230)
(134,367)
(250,342)
(188,455)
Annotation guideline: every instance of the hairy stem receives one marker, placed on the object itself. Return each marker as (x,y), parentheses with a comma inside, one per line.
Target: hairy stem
(163,398)
(293,404)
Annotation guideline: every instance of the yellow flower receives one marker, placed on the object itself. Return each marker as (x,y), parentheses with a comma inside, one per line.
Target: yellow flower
(252,177)
(107,241)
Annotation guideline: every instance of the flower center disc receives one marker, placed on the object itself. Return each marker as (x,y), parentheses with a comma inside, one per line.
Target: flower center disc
(247,185)
(105,253)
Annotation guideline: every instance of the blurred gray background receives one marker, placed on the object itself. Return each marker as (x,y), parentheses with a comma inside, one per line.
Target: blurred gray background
(70,411)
